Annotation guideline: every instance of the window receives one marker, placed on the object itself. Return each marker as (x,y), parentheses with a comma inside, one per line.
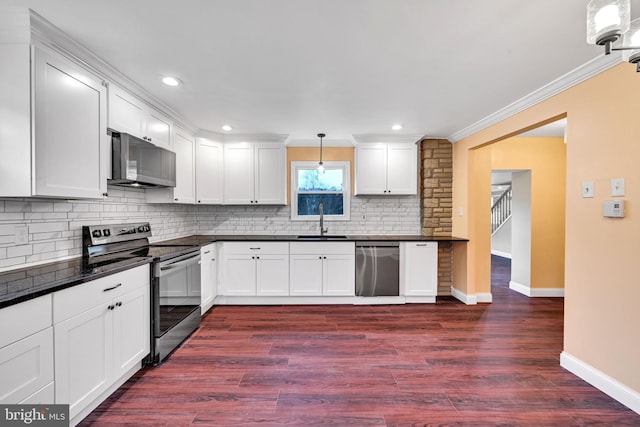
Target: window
(309,188)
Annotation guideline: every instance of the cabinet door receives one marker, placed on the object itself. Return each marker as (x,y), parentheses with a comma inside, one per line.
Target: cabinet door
(184,191)
(208,172)
(208,277)
(270,175)
(238,174)
(127,114)
(26,366)
(305,275)
(272,275)
(239,275)
(421,269)
(131,329)
(371,169)
(339,275)
(70,132)
(83,357)
(158,130)
(402,169)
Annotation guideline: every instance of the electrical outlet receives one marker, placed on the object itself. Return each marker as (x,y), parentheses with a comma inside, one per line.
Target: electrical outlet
(364,216)
(21,235)
(363,208)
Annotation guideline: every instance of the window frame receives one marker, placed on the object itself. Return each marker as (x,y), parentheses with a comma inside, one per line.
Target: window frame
(346,190)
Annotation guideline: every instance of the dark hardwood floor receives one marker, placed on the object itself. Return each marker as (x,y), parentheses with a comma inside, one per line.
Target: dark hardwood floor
(394,365)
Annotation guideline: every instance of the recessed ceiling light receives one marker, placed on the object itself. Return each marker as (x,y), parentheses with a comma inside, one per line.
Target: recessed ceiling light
(396,127)
(226,128)
(171,81)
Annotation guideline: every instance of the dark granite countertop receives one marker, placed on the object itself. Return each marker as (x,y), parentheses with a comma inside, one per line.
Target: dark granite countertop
(23,284)
(204,239)
(31,282)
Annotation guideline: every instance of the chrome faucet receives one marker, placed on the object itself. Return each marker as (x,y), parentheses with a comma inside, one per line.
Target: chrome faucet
(322,229)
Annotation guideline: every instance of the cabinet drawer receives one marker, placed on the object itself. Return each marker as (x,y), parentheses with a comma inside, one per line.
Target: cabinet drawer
(25,318)
(26,366)
(72,301)
(324,248)
(276,248)
(46,395)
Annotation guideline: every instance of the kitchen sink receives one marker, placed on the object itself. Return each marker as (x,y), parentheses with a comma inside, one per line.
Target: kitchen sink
(325,237)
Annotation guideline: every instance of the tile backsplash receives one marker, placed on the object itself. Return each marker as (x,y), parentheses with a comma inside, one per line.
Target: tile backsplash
(55,226)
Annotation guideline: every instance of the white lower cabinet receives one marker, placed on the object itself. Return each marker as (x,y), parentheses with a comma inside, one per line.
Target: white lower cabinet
(26,353)
(419,270)
(101,333)
(322,269)
(254,269)
(208,276)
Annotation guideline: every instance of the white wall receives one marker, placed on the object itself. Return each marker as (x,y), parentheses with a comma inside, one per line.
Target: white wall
(501,240)
(521,230)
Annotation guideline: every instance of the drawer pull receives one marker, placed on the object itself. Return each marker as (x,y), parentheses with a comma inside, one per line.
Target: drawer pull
(254,249)
(421,244)
(206,252)
(112,288)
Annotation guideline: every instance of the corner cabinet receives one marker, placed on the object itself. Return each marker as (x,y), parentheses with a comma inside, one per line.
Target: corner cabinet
(101,331)
(386,169)
(185,189)
(209,167)
(419,271)
(255,173)
(128,114)
(65,153)
(254,269)
(322,269)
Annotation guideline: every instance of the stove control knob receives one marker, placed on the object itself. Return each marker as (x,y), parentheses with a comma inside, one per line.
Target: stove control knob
(106,232)
(96,233)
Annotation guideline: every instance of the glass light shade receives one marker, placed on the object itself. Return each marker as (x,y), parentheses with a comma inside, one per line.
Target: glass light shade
(606,18)
(632,39)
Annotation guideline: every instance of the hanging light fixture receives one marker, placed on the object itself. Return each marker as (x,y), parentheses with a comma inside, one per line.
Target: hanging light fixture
(607,21)
(320,164)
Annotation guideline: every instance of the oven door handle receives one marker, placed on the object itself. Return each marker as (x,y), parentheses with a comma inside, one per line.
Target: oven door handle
(182,263)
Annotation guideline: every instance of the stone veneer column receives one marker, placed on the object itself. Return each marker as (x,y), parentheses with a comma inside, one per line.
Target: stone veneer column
(436,203)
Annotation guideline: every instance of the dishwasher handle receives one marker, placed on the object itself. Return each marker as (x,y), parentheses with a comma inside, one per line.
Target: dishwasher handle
(377,244)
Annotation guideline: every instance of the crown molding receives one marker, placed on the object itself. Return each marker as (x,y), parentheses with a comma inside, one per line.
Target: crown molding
(572,78)
(316,142)
(371,138)
(254,137)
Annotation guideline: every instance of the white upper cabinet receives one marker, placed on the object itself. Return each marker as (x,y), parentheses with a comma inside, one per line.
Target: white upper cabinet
(208,172)
(387,169)
(254,173)
(184,191)
(128,114)
(65,153)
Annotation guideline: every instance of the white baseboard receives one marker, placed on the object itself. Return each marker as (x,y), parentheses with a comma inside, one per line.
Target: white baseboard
(500,254)
(536,292)
(467,299)
(618,391)
(484,298)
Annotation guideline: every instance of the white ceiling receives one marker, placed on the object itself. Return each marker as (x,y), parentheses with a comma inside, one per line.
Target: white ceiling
(342,67)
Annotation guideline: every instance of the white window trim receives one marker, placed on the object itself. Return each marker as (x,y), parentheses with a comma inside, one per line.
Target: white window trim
(346,173)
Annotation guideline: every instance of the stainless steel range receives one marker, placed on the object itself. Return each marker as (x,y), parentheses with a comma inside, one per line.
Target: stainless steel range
(175,279)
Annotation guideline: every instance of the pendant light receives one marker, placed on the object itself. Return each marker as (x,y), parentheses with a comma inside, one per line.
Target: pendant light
(320,164)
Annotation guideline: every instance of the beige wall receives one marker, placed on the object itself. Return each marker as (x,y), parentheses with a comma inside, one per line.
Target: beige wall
(602,268)
(546,158)
(303,154)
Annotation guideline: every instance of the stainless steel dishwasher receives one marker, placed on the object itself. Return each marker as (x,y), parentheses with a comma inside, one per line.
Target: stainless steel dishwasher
(377,268)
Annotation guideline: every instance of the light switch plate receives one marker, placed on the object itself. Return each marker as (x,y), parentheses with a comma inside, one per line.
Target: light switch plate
(587,189)
(617,187)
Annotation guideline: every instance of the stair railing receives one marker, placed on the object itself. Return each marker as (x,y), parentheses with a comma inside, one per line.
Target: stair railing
(501,210)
